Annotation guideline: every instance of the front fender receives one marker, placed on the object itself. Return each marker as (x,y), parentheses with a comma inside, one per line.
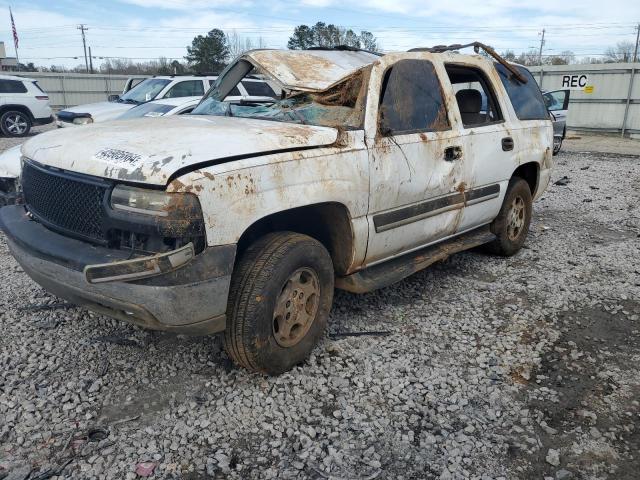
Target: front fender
(233,199)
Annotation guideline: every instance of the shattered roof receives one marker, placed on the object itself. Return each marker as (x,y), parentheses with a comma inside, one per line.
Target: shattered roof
(309,70)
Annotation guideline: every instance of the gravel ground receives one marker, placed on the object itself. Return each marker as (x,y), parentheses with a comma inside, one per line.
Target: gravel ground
(479,367)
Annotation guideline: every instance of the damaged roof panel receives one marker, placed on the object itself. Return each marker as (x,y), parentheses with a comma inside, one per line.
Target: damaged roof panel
(309,70)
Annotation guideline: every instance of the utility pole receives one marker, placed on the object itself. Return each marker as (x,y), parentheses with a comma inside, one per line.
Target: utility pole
(82,29)
(541,45)
(633,74)
(90,61)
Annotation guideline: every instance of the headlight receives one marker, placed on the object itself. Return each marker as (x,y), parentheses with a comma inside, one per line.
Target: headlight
(158,220)
(82,120)
(156,203)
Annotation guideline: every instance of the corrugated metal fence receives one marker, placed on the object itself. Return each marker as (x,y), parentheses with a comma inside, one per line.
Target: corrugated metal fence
(68,89)
(602,110)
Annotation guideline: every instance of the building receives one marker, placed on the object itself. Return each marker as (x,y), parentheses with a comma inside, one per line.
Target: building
(7,63)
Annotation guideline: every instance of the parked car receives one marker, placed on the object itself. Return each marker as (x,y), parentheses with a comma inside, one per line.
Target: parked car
(23,104)
(149,89)
(184,105)
(557,103)
(154,88)
(243,218)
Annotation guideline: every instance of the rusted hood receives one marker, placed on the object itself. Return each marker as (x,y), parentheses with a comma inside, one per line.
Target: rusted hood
(309,70)
(150,150)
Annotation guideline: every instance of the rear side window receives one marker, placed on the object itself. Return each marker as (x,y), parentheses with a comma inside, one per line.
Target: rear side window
(526,98)
(39,87)
(188,88)
(234,92)
(258,89)
(411,99)
(12,86)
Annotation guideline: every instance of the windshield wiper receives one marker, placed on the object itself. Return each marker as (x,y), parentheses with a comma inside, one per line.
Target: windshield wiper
(129,100)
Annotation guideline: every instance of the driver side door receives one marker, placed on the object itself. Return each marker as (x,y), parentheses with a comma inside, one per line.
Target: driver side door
(417,164)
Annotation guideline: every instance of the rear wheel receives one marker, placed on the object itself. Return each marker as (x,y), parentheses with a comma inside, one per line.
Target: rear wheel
(557,144)
(15,123)
(281,294)
(511,226)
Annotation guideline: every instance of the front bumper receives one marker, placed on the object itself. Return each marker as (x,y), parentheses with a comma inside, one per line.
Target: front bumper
(192,299)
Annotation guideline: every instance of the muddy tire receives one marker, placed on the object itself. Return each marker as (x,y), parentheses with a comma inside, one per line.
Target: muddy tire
(557,145)
(511,226)
(279,302)
(15,123)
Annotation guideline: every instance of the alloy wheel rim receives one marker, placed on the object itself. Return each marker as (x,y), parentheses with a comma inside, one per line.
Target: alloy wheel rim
(296,307)
(16,124)
(516,216)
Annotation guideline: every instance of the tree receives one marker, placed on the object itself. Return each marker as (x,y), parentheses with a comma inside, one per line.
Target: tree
(369,42)
(238,45)
(208,53)
(323,35)
(622,52)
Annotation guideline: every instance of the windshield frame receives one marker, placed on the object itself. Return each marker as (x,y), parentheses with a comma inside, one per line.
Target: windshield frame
(238,71)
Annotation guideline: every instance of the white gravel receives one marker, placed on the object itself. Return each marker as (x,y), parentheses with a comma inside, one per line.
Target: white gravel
(490,366)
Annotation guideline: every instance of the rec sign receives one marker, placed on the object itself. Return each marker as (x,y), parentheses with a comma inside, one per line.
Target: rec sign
(575,82)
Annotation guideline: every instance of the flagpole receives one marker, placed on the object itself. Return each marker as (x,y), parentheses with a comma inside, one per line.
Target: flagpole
(15,39)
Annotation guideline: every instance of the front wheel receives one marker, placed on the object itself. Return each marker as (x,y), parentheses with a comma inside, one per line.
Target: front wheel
(511,226)
(281,294)
(15,124)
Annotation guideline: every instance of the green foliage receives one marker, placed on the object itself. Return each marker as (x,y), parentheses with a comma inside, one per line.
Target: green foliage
(208,53)
(323,35)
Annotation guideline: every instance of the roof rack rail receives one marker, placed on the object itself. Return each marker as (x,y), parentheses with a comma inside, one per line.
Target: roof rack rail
(476,48)
(346,48)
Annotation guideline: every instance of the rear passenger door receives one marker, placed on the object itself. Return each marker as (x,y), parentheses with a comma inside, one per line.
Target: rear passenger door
(416,164)
(488,145)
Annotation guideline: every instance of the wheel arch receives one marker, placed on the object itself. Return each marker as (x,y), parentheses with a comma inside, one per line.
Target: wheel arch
(21,108)
(529,172)
(329,223)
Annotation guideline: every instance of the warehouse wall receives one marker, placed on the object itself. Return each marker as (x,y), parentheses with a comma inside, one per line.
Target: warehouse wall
(68,89)
(603,110)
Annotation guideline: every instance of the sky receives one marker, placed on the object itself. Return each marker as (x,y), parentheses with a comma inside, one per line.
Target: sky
(147,29)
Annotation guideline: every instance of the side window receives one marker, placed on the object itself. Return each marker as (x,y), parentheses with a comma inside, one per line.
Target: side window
(186,111)
(188,88)
(557,100)
(258,89)
(234,92)
(526,98)
(12,86)
(411,99)
(475,97)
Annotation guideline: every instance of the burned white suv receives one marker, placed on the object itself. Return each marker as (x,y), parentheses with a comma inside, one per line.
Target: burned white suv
(243,218)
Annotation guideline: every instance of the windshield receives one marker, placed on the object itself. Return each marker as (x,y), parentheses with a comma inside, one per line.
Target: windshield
(340,106)
(147,110)
(144,91)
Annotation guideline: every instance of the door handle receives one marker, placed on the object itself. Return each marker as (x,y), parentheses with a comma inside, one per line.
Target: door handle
(507,144)
(452,153)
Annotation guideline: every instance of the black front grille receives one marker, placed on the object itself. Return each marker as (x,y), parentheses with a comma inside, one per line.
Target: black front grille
(65,202)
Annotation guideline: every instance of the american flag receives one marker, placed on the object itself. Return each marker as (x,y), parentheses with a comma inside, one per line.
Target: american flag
(13,28)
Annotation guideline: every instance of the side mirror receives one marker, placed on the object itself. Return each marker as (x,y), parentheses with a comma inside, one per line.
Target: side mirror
(113,98)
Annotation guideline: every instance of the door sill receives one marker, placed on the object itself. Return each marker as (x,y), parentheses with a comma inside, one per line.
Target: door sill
(392,271)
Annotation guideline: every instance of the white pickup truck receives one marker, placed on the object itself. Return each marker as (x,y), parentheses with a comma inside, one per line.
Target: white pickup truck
(243,218)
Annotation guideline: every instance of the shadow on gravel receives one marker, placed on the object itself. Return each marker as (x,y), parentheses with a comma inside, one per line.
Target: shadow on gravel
(595,415)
